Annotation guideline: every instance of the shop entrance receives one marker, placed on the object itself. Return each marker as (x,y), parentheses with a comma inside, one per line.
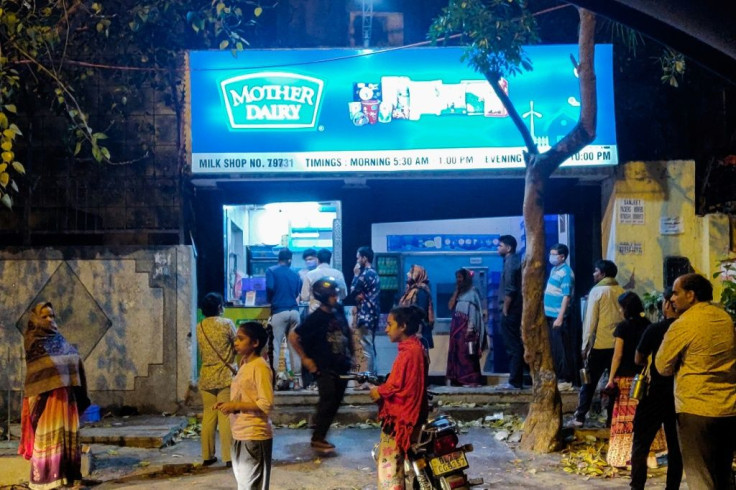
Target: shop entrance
(254,234)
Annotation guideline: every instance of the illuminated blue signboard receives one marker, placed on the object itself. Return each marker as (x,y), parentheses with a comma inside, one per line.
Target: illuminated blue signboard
(341,110)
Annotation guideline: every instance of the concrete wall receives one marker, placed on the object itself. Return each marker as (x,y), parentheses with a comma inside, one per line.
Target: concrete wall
(639,242)
(129,310)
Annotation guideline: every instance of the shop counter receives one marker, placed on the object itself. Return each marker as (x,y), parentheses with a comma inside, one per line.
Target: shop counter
(241,314)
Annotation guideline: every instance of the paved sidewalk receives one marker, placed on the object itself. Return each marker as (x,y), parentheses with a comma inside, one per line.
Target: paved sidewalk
(297,467)
(154,464)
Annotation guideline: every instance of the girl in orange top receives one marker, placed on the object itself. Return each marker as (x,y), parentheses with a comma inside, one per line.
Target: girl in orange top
(249,406)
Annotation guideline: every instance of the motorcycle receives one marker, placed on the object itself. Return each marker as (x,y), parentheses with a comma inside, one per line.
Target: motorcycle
(435,460)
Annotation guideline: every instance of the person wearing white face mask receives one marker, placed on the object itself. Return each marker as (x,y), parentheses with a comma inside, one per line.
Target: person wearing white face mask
(310,263)
(557,301)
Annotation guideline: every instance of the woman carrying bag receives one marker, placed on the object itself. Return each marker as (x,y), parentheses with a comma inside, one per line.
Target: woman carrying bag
(621,376)
(215,341)
(657,407)
(467,333)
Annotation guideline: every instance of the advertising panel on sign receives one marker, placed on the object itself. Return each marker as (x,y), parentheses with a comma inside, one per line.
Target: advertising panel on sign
(416,109)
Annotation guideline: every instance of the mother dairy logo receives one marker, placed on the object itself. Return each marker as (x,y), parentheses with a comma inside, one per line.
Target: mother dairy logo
(272,100)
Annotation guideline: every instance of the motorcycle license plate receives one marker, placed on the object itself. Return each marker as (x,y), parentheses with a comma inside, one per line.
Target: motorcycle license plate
(448,462)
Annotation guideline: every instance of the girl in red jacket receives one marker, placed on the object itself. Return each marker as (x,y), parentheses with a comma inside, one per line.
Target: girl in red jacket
(403,398)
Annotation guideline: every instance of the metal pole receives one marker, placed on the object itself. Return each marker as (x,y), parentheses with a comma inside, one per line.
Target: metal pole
(367,22)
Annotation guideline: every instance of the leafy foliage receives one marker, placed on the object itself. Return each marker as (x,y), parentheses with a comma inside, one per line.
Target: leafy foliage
(79,56)
(673,67)
(727,274)
(494,30)
(652,301)
(627,36)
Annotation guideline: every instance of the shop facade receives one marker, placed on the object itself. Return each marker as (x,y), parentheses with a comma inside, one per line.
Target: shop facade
(412,140)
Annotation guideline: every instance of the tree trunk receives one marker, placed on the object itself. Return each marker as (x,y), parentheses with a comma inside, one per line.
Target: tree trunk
(543,422)
(544,419)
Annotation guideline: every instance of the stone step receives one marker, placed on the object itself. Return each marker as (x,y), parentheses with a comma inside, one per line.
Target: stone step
(140,431)
(143,431)
(291,407)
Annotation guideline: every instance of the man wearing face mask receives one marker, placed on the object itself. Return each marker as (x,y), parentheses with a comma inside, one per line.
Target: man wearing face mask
(310,263)
(557,301)
(323,270)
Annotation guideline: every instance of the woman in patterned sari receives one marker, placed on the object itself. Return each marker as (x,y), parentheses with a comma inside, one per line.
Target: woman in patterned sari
(419,293)
(623,369)
(466,329)
(55,396)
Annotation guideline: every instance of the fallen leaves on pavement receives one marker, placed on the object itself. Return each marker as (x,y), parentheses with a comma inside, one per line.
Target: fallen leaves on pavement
(191,431)
(587,457)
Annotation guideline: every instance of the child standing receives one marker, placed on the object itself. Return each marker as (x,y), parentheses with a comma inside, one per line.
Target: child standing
(250,403)
(402,399)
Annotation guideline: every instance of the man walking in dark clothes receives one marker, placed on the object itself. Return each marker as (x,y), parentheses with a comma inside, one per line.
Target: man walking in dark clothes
(509,298)
(325,345)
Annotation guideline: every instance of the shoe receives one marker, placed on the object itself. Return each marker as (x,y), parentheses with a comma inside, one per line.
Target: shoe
(209,462)
(228,464)
(506,387)
(574,424)
(564,386)
(322,445)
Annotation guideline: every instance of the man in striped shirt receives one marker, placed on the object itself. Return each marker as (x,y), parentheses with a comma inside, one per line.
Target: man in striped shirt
(557,302)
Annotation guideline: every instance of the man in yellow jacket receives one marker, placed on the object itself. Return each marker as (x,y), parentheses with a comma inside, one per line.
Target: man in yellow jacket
(700,350)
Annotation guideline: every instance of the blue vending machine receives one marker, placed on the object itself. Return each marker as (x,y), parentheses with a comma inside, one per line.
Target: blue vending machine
(442,254)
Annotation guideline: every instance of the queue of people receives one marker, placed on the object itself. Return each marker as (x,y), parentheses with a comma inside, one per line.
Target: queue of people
(689,360)
(617,338)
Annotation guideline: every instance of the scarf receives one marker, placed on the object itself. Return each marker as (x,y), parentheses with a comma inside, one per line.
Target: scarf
(51,361)
(607,281)
(418,280)
(403,396)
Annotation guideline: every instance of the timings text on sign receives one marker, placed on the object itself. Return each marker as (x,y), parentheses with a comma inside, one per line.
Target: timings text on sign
(308,111)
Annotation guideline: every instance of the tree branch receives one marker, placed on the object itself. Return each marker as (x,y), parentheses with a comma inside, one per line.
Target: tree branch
(86,129)
(584,131)
(493,80)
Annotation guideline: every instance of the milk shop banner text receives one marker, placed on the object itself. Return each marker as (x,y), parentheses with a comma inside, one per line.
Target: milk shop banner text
(345,110)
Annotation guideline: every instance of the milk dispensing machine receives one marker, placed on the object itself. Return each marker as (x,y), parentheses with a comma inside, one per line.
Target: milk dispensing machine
(389,269)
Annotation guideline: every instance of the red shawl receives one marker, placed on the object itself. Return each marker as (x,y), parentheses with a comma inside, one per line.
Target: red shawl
(403,396)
